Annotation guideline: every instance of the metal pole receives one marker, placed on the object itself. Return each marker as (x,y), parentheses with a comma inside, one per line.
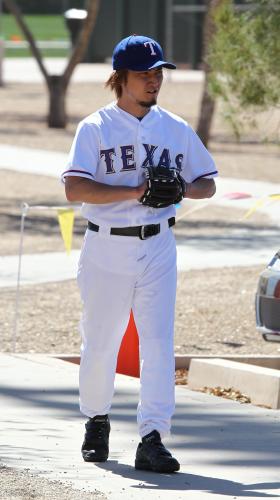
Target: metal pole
(24,210)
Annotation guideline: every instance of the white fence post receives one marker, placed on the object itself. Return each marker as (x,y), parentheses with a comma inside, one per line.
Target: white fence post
(24,210)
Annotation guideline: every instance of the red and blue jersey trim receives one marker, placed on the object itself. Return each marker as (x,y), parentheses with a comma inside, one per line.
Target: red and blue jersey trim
(205,175)
(77,172)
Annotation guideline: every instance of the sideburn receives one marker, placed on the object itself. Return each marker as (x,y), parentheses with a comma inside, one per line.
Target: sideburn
(115,81)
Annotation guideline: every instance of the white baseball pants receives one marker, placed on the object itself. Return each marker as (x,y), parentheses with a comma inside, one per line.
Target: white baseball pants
(117,274)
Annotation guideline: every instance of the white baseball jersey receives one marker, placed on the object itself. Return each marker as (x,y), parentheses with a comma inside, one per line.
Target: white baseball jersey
(113,147)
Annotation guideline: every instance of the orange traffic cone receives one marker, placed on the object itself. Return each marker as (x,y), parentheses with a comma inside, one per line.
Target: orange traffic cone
(128,358)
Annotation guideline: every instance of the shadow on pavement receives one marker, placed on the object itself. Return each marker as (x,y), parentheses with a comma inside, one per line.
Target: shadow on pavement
(238,434)
(246,238)
(181,482)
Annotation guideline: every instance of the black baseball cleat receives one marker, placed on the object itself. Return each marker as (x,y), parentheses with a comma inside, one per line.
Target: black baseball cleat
(95,447)
(152,455)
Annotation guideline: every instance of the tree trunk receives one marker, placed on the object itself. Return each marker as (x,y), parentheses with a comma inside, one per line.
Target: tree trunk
(207,106)
(2,49)
(57,117)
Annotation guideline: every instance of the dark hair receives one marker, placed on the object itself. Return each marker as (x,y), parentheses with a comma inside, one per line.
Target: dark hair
(115,81)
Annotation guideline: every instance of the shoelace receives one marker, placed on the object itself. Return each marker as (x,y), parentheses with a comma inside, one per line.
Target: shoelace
(97,430)
(159,447)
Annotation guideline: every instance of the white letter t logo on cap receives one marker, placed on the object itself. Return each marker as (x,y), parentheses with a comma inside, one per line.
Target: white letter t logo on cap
(153,53)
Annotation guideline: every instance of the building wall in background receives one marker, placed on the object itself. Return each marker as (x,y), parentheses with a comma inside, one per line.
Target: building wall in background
(148,17)
(178,31)
(176,24)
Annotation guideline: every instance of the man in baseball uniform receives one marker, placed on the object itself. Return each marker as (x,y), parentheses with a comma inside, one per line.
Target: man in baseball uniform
(128,258)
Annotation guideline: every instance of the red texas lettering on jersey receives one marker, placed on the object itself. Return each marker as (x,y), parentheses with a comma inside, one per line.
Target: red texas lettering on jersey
(128,162)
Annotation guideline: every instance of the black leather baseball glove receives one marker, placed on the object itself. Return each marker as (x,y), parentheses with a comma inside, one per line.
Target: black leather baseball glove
(164,187)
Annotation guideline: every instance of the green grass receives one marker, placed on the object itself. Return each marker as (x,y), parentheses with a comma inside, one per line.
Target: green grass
(42,27)
(44,52)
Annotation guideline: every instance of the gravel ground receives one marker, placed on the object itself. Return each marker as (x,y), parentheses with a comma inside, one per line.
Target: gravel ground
(215,307)
(214,315)
(22,485)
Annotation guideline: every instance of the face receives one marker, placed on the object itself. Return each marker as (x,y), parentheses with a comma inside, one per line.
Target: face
(142,88)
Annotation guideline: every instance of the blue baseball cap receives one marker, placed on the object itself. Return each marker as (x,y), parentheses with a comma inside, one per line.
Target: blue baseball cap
(139,53)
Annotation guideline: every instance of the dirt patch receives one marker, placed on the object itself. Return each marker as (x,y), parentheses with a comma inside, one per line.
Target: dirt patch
(214,315)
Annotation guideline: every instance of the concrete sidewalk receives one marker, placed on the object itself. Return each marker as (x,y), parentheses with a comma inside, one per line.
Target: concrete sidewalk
(32,161)
(26,70)
(58,266)
(226,450)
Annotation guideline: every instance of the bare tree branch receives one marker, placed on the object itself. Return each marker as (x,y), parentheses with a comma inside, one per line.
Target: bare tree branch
(13,8)
(57,84)
(92,7)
